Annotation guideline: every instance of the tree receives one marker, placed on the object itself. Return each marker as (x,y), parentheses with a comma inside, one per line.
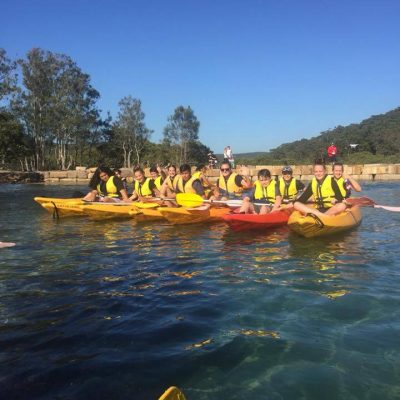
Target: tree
(14,146)
(7,79)
(182,130)
(131,133)
(56,105)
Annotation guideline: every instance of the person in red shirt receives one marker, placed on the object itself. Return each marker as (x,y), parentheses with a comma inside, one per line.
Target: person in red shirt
(332,152)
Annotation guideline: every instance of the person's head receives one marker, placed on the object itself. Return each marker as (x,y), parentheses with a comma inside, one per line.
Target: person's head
(201,167)
(104,173)
(139,175)
(117,172)
(264,176)
(337,170)
(154,172)
(225,169)
(319,169)
(185,171)
(287,173)
(172,171)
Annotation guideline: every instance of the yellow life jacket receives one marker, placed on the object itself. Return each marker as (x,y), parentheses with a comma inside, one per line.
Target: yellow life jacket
(111,189)
(158,182)
(323,193)
(171,183)
(229,185)
(340,183)
(144,188)
(288,192)
(187,188)
(265,193)
(197,174)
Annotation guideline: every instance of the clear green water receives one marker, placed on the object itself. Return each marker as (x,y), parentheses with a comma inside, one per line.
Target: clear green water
(122,310)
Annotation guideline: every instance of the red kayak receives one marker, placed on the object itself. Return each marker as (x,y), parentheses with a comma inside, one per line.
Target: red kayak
(241,222)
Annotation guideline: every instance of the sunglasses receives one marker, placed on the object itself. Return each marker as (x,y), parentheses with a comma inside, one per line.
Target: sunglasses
(225,169)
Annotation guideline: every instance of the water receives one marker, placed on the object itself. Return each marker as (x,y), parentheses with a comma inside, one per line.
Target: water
(122,310)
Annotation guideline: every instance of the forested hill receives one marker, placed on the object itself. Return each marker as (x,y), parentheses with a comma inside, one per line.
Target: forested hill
(377,139)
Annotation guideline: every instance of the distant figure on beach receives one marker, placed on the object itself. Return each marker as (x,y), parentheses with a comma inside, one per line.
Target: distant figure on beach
(332,152)
(229,156)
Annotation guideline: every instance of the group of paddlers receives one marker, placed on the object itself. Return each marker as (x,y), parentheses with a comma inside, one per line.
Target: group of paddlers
(325,194)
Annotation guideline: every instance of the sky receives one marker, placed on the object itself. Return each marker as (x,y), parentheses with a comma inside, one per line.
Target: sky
(256,73)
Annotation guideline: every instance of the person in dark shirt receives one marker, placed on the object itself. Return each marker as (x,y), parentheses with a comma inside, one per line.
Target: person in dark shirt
(188,183)
(106,187)
(328,200)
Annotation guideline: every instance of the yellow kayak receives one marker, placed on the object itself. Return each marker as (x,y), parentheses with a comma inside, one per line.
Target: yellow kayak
(61,207)
(183,215)
(217,213)
(172,393)
(311,225)
(103,210)
(148,214)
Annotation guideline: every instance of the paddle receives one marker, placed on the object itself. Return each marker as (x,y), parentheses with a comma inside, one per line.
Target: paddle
(367,202)
(194,200)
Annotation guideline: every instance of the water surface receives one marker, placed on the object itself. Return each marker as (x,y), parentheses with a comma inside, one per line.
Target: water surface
(122,310)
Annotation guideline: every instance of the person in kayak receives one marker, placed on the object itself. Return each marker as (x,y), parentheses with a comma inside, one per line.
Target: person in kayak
(187,183)
(346,183)
(167,188)
(328,199)
(266,191)
(118,174)
(158,176)
(144,188)
(105,186)
(200,174)
(230,185)
(289,187)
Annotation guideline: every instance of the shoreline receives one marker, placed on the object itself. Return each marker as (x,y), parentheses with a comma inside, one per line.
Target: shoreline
(82,175)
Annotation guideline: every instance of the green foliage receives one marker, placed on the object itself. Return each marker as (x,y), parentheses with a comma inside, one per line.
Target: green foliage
(378,138)
(180,133)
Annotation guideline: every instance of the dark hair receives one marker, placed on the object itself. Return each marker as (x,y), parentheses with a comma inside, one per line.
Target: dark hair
(225,162)
(265,173)
(138,169)
(95,179)
(319,161)
(116,170)
(153,168)
(199,167)
(339,164)
(185,168)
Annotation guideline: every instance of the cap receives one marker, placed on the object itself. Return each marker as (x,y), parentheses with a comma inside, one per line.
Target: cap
(287,169)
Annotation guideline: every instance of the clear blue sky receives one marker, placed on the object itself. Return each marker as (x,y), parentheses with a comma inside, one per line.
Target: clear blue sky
(256,73)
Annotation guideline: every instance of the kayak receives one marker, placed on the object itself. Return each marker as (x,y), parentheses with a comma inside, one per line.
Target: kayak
(172,393)
(103,210)
(61,207)
(217,213)
(310,225)
(183,215)
(241,222)
(147,214)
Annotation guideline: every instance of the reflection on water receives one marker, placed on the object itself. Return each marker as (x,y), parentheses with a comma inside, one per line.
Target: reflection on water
(122,308)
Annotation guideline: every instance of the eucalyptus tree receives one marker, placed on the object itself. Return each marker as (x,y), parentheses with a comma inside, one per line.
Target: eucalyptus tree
(181,131)
(7,75)
(131,133)
(56,104)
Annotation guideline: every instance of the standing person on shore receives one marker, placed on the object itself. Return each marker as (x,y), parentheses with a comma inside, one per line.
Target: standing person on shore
(346,183)
(105,186)
(230,185)
(229,154)
(289,187)
(332,153)
(324,190)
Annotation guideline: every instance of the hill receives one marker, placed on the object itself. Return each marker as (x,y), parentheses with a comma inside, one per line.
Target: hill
(375,139)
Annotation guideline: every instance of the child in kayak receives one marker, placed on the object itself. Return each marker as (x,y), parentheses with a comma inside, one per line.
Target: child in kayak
(265,192)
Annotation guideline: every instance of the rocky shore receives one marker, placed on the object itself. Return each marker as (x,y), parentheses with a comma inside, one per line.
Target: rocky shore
(366,172)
